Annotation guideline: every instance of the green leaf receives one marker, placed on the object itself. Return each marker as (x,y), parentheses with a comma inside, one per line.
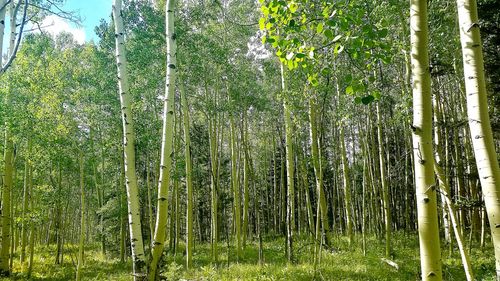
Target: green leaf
(349,90)
(319,28)
(331,23)
(357,100)
(329,34)
(376,95)
(262,23)
(383,33)
(367,100)
(348,78)
(300,55)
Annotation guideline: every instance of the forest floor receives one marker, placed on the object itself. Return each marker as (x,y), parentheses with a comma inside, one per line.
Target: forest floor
(344,263)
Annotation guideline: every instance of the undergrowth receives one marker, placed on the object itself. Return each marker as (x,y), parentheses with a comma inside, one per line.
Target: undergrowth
(341,262)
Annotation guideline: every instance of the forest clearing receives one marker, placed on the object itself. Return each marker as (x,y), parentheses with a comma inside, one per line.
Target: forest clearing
(250,140)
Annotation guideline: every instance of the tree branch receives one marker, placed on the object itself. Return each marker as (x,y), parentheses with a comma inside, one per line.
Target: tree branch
(18,41)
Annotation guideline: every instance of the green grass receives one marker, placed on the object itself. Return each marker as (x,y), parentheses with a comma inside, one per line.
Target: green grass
(344,263)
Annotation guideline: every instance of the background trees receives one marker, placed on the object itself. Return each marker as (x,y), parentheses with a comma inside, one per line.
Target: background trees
(294,136)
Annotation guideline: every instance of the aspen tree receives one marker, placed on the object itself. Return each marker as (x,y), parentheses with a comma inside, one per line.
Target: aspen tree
(450,210)
(321,210)
(24,230)
(2,24)
(166,143)
(430,251)
(479,120)
(32,228)
(189,180)
(246,176)
(385,187)
(289,170)
(82,221)
(134,211)
(8,158)
(347,186)
(235,187)
(212,131)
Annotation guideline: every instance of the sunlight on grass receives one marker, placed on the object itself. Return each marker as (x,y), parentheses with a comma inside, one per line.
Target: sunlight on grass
(341,263)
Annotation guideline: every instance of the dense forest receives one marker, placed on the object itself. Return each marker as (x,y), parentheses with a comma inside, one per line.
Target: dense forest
(252,140)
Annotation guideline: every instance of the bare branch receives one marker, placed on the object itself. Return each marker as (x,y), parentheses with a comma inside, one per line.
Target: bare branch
(62,14)
(5,5)
(18,41)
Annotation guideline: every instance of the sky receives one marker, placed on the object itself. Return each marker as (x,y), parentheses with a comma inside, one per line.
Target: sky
(91,12)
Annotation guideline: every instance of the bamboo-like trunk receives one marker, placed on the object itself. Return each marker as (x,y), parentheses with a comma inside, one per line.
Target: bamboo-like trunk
(479,121)
(166,144)
(321,211)
(32,228)
(305,186)
(235,187)
(82,222)
(26,195)
(134,211)
(213,187)
(347,186)
(290,217)
(430,251)
(449,210)
(246,175)
(385,187)
(8,160)
(189,181)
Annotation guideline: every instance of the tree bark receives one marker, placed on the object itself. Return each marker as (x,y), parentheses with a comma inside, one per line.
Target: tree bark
(166,144)
(134,211)
(430,251)
(479,121)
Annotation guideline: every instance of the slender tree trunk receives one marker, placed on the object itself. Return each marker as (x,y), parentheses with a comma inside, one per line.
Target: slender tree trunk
(430,251)
(246,175)
(214,186)
(289,170)
(32,229)
(347,186)
(236,188)
(479,121)
(166,146)
(8,160)
(189,181)
(385,187)
(82,222)
(305,183)
(150,204)
(134,211)
(26,195)
(2,26)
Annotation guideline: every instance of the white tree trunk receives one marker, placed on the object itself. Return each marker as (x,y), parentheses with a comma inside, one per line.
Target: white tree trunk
(430,251)
(166,144)
(479,120)
(134,211)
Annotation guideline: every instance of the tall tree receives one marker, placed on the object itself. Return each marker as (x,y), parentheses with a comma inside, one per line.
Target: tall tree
(479,120)
(430,251)
(134,211)
(166,143)
(189,181)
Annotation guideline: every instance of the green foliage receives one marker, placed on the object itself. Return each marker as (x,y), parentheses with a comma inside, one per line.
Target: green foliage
(343,263)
